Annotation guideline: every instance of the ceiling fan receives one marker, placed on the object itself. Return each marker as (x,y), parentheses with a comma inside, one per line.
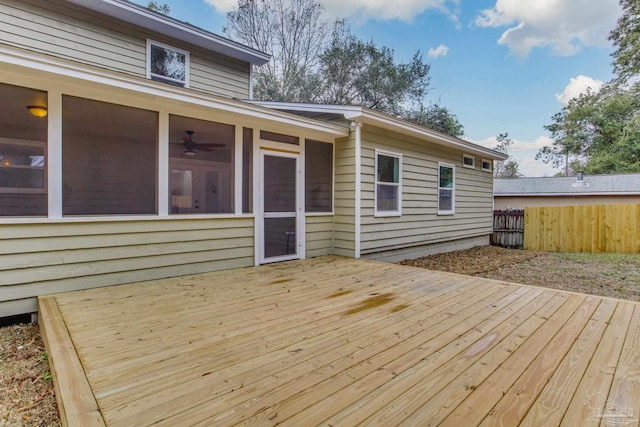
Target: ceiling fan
(190,146)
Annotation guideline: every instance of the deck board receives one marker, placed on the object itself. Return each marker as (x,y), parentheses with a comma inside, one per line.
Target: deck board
(336,341)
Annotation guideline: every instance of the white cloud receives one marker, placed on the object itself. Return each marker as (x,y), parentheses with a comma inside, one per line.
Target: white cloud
(577,86)
(441,50)
(562,25)
(524,152)
(222,6)
(364,10)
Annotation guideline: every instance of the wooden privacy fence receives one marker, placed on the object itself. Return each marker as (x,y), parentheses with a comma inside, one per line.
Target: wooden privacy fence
(591,228)
(508,228)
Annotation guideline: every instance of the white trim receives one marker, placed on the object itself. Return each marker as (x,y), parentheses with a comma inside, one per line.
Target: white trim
(473,161)
(453,189)
(54,155)
(251,76)
(237,170)
(117,218)
(301,223)
(187,63)
(483,161)
(298,214)
(163,164)
(398,185)
(358,190)
(257,188)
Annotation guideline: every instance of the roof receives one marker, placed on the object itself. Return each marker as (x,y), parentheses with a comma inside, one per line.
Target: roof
(335,113)
(592,185)
(145,18)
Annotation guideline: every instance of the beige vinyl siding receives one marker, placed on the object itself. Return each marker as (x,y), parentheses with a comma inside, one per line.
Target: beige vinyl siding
(44,258)
(420,223)
(319,235)
(344,200)
(57,28)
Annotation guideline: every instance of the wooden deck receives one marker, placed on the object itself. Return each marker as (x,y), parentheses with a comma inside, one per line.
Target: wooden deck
(341,342)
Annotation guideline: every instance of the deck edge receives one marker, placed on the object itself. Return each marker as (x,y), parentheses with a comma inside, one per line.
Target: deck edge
(76,403)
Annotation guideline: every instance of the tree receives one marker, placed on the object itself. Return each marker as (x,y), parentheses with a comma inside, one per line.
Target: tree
(355,72)
(314,65)
(293,33)
(155,6)
(601,129)
(437,118)
(625,38)
(509,168)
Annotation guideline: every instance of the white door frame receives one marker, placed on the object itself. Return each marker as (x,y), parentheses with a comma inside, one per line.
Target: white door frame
(299,214)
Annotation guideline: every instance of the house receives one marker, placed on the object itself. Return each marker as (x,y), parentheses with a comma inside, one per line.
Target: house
(518,193)
(127,154)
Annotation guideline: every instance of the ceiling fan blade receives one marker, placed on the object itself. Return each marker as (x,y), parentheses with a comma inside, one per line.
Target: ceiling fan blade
(210,145)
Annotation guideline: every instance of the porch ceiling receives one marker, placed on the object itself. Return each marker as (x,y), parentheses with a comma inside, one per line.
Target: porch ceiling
(335,341)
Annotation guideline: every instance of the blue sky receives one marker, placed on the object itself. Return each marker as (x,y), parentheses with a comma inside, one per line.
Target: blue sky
(499,65)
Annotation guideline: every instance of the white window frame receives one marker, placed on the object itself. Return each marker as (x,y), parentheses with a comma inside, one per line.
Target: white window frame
(187,63)
(453,189)
(490,169)
(376,211)
(473,161)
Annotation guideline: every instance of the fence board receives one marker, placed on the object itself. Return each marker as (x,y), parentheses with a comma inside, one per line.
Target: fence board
(590,228)
(508,228)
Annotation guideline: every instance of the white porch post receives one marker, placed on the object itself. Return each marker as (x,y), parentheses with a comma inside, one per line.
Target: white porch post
(54,154)
(358,187)
(163,164)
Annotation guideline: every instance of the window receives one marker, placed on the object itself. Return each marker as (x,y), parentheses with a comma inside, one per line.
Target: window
(109,158)
(318,176)
(468,161)
(167,64)
(446,189)
(487,165)
(388,184)
(23,149)
(201,165)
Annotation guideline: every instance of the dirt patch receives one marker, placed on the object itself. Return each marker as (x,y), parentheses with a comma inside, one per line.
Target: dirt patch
(26,387)
(610,275)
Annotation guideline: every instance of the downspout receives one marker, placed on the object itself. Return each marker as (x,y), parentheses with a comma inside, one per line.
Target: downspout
(358,187)
(251,81)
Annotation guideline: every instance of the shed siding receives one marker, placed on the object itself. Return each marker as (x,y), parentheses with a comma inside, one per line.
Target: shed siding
(344,201)
(319,235)
(420,223)
(65,31)
(44,258)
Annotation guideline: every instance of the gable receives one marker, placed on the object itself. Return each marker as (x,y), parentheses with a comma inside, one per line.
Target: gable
(67,31)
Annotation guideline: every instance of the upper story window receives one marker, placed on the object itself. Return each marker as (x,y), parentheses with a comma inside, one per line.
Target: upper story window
(388,189)
(167,64)
(487,165)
